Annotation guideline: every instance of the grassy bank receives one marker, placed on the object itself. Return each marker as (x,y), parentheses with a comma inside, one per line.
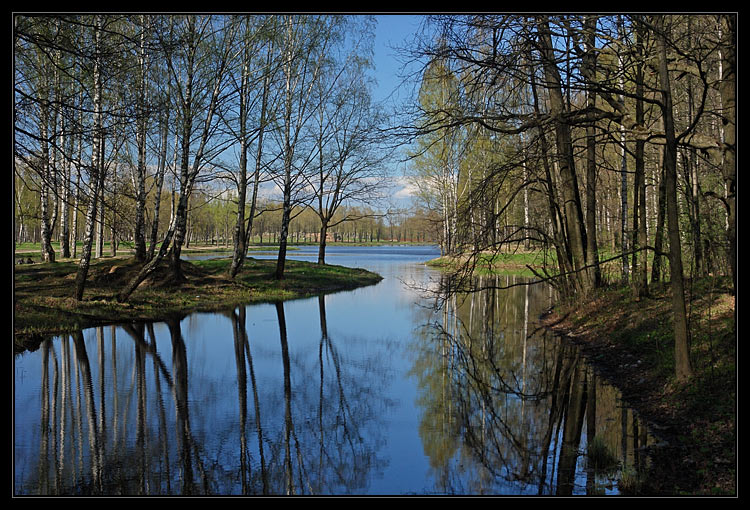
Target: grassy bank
(517,263)
(43,302)
(630,342)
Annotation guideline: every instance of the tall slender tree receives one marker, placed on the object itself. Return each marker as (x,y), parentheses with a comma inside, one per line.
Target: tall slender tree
(683,368)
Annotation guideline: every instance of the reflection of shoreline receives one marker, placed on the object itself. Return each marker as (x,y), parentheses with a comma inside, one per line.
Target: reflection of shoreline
(526,413)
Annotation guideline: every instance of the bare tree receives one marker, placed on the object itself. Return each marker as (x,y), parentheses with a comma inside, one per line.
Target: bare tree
(197,67)
(255,69)
(349,160)
(306,41)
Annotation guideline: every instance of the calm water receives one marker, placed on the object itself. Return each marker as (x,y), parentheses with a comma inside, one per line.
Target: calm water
(370,391)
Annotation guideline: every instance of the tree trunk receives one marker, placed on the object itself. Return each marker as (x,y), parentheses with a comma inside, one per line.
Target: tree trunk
(592,251)
(100,221)
(142,126)
(727,90)
(640,266)
(322,244)
(683,368)
(570,194)
(659,230)
(286,214)
(149,267)
(159,185)
(97,167)
(563,254)
(48,253)
(240,239)
(66,199)
(244,231)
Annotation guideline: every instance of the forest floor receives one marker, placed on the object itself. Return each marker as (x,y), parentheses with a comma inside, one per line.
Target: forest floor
(630,343)
(44,304)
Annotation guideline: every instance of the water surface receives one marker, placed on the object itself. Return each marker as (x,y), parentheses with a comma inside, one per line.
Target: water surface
(371,391)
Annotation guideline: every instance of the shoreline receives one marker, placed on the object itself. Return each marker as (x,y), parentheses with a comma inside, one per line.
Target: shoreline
(44,306)
(629,343)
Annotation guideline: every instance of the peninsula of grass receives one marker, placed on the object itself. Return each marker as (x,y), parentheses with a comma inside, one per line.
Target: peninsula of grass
(44,304)
(518,263)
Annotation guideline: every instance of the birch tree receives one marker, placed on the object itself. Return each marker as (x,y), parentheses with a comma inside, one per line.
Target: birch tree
(197,68)
(306,41)
(254,103)
(349,157)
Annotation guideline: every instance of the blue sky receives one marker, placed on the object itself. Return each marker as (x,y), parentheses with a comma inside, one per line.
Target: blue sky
(392,30)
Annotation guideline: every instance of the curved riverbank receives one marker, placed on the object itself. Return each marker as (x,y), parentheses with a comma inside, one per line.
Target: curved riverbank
(518,263)
(630,343)
(44,306)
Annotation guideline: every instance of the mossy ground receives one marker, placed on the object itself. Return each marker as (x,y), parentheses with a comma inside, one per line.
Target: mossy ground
(44,304)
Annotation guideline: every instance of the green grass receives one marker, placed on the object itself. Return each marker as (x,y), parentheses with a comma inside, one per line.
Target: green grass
(514,263)
(44,303)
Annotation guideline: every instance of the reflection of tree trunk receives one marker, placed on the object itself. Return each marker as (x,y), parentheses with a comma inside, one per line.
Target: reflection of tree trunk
(102,401)
(65,386)
(256,402)
(180,372)
(565,376)
(287,397)
(95,449)
(590,427)
(323,322)
(115,398)
(53,418)
(140,438)
(162,415)
(78,422)
(239,357)
(324,336)
(554,415)
(575,408)
(45,426)
(624,435)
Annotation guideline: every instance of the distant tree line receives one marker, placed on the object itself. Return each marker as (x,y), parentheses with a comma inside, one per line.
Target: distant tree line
(212,216)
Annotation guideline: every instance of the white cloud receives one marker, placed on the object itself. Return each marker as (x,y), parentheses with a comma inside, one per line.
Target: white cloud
(406,188)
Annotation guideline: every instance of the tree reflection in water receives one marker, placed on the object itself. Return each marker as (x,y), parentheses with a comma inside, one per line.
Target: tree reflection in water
(258,400)
(507,402)
(121,422)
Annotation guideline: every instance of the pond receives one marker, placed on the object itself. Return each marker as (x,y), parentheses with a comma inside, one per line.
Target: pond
(374,391)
